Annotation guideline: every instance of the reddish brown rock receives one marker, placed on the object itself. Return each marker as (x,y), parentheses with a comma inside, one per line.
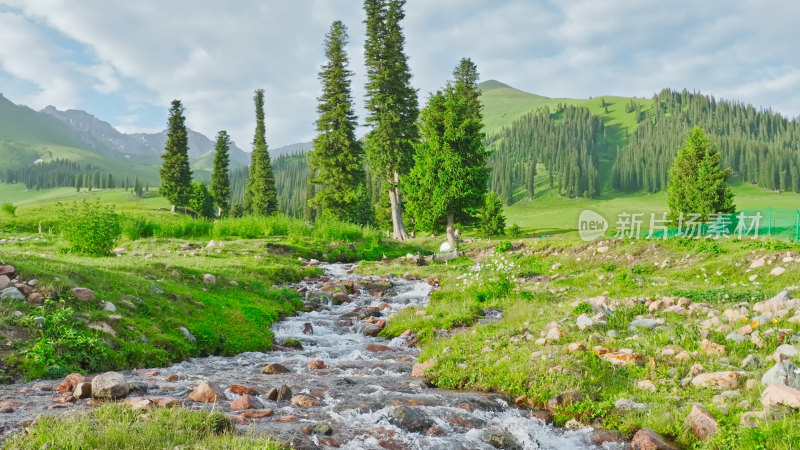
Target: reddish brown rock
(600,437)
(148,373)
(67,398)
(287,419)
(70,381)
(82,294)
(622,359)
(339,298)
(8,270)
(238,389)
(376,348)
(165,402)
(173,378)
(316,364)
(647,439)
(778,394)
(246,401)
(418,370)
(711,347)
(139,404)
(206,392)
(257,413)
(8,404)
(36,298)
(702,423)
(303,400)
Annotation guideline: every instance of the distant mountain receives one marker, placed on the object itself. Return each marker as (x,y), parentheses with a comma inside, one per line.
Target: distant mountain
(300,147)
(103,138)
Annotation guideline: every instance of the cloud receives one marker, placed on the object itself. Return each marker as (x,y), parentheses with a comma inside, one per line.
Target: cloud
(213,55)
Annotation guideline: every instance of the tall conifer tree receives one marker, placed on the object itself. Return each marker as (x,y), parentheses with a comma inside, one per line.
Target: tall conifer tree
(392,107)
(260,197)
(220,177)
(176,176)
(449,179)
(337,176)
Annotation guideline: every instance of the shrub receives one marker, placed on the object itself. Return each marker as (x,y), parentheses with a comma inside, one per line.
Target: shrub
(90,228)
(515,231)
(503,246)
(137,228)
(9,209)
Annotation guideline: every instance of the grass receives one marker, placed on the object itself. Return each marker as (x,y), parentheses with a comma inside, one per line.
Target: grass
(502,356)
(114,426)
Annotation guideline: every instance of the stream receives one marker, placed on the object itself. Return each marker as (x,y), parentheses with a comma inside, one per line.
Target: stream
(364,392)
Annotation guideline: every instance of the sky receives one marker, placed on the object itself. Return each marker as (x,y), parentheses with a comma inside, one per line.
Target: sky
(125,61)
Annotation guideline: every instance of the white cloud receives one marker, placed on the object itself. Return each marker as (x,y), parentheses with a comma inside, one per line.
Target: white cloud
(213,55)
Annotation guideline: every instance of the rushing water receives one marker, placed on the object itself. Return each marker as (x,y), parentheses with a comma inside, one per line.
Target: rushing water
(358,391)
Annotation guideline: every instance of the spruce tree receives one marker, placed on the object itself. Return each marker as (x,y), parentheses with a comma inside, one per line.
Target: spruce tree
(220,176)
(449,178)
(336,171)
(698,184)
(392,107)
(176,176)
(260,197)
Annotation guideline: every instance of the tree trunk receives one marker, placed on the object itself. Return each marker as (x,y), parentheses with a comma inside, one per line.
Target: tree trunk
(219,211)
(451,232)
(398,228)
(173,208)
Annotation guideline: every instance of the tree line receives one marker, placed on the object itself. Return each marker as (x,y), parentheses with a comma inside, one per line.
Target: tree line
(760,146)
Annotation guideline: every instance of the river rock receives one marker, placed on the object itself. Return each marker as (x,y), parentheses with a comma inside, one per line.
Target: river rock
(371,330)
(377,348)
(275,369)
(702,423)
(82,294)
(500,438)
(783,373)
(319,297)
(776,394)
(109,385)
(308,328)
(316,364)
(70,381)
(238,389)
(284,394)
(303,400)
(340,297)
(11,293)
(418,370)
(246,401)
(410,419)
(647,439)
(206,392)
(4,282)
(601,437)
(322,428)
(82,390)
(718,380)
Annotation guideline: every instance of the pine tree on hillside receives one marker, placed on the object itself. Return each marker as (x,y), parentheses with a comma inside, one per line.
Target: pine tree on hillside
(449,179)
(392,107)
(201,201)
(697,182)
(336,171)
(220,176)
(260,196)
(176,176)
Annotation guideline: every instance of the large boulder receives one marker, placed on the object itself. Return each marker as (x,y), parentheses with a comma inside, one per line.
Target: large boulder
(206,392)
(718,380)
(4,282)
(783,373)
(7,270)
(776,394)
(109,385)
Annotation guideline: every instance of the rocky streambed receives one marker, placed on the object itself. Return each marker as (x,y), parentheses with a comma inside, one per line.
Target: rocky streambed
(330,383)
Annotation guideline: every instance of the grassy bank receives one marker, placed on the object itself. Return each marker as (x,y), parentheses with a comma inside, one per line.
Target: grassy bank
(547,284)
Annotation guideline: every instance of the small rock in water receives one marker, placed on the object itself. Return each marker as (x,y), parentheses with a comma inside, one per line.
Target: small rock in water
(304,400)
(316,364)
(275,369)
(206,392)
(410,419)
(322,428)
(83,390)
(500,438)
(284,394)
(246,401)
(308,328)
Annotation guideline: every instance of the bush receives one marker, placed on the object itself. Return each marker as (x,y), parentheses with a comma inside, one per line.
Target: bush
(90,228)
(9,209)
(136,228)
(503,246)
(515,231)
